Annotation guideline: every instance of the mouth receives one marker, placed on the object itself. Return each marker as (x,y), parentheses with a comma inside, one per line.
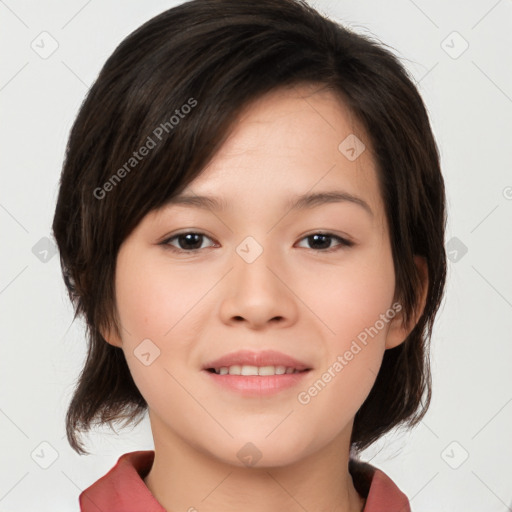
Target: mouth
(249,370)
(256,374)
(248,362)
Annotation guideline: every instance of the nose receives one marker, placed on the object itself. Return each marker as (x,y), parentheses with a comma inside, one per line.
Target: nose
(259,293)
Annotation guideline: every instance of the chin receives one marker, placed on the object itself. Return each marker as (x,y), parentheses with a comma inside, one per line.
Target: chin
(247,451)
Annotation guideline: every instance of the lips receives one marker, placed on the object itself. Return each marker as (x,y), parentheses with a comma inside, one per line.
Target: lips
(262,358)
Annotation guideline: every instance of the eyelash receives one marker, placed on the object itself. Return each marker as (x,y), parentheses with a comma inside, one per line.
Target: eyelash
(343,242)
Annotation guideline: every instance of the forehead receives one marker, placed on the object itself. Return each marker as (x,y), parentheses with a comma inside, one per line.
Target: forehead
(289,143)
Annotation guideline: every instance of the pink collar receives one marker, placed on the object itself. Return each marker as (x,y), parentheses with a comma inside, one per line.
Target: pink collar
(123,488)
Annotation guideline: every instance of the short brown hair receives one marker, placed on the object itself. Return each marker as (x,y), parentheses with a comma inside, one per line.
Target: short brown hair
(223,54)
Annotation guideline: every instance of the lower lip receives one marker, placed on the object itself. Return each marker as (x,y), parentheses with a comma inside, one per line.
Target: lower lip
(257,385)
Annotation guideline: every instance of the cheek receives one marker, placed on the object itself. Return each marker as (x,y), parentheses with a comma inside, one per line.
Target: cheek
(351,300)
(350,297)
(159,301)
(153,297)
(354,351)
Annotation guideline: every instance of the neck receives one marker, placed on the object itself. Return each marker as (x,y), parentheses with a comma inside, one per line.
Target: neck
(184,478)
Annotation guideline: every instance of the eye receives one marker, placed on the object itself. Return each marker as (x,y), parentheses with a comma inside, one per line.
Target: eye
(322,242)
(189,241)
(192,241)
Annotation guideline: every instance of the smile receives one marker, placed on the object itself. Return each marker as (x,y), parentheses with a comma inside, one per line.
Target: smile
(254,370)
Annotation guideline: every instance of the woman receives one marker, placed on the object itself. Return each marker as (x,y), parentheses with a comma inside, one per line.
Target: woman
(251,220)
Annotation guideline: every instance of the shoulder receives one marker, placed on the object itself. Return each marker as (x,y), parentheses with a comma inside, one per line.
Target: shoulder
(123,486)
(380,492)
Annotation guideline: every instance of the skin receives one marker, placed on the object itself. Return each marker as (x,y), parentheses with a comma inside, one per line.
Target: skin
(295,297)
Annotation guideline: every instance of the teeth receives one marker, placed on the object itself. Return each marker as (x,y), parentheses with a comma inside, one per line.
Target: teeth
(254,370)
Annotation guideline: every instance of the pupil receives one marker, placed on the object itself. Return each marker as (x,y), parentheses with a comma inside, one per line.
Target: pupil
(315,239)
(189,237)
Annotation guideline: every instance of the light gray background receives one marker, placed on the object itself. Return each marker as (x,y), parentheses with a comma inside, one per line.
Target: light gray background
(469,97)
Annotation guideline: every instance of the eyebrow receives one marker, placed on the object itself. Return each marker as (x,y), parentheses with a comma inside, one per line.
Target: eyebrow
(297,203)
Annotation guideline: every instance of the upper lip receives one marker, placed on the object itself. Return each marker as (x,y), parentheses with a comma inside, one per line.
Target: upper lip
(262,358)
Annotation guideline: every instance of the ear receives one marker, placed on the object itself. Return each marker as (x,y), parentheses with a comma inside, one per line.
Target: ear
(397,332)
(112,337)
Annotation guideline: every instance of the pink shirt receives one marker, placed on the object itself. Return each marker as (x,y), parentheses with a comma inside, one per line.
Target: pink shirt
(123,489)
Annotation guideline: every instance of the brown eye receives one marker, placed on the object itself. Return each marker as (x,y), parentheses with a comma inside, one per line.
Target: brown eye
(186,242)
(322,242)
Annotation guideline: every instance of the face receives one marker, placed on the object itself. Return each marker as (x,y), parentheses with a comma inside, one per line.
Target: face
(314,282)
